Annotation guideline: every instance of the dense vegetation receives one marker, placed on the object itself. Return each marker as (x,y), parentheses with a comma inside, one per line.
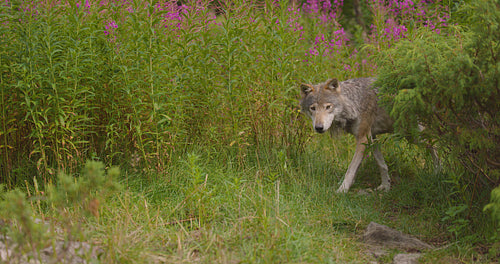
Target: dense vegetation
(196,102)
(451,86)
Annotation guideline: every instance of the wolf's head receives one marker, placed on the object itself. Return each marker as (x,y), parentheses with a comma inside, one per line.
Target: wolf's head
(322,103)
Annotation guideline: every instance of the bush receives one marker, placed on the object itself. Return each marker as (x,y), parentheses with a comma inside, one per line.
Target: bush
(494,209)
(26,233)
(450,83)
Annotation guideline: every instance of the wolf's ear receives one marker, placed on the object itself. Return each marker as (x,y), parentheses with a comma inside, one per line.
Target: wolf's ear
(305,89)
(333,85)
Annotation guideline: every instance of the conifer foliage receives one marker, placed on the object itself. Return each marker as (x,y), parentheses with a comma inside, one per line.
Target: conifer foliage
(450,84)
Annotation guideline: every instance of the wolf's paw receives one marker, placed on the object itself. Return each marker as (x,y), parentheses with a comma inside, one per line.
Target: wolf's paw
(342,189)
(384,187)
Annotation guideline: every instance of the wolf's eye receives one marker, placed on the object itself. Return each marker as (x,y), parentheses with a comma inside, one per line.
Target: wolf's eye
(313,108)
(328,107)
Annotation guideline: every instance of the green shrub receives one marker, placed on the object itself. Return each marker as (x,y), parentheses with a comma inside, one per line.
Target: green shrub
(450,83)
(494,209)
(494,206)
(65,203)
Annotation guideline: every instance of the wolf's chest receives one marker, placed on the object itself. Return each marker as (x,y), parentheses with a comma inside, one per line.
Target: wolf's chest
(347,125)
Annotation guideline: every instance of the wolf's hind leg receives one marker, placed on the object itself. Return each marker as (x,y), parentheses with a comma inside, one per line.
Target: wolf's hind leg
(384,171)
(435,158)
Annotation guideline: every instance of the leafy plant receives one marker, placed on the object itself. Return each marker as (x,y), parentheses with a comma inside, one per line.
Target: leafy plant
(494,206)
(455,215)
(494,209)
(197,194)
(27,235)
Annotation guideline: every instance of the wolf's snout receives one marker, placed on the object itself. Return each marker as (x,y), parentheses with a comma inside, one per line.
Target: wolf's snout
(319,128)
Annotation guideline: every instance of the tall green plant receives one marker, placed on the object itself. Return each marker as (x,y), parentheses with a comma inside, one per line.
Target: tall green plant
(28,76)
(135,81)
(49,84)
(7,127)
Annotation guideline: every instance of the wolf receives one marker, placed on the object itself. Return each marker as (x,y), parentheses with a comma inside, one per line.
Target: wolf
(349,106)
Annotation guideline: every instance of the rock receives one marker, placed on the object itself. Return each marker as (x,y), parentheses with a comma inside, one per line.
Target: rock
(67,252)
(378,253)
(365,192)
(4,252)
(381,235)
(406,258)
(71,252)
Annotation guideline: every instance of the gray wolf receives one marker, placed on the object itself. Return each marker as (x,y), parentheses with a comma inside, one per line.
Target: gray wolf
(350,106)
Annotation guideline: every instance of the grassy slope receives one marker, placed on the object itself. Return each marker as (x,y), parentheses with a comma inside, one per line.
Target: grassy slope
(213,208)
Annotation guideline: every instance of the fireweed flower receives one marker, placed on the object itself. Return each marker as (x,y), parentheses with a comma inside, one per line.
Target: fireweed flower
(327,11)
(86,6)
(172,18)
(335,44)
(329,46)
(110,27)
(312,6)
(293,20)
(174,14)
(398,13)
(312,51)
(393,30)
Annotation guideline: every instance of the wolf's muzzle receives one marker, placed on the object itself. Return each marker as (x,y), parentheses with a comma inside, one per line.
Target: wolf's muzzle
(319,128)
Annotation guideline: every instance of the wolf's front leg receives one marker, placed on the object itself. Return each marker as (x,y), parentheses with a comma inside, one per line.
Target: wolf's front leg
(353,168)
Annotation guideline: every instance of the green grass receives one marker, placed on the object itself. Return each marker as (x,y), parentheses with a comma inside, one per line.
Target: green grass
(214,207)
(253,214)
(210,208)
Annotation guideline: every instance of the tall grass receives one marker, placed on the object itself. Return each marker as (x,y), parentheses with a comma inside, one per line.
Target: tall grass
(137,81)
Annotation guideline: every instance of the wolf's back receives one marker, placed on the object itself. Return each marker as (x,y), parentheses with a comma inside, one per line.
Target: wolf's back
(363,97)
(358,90)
